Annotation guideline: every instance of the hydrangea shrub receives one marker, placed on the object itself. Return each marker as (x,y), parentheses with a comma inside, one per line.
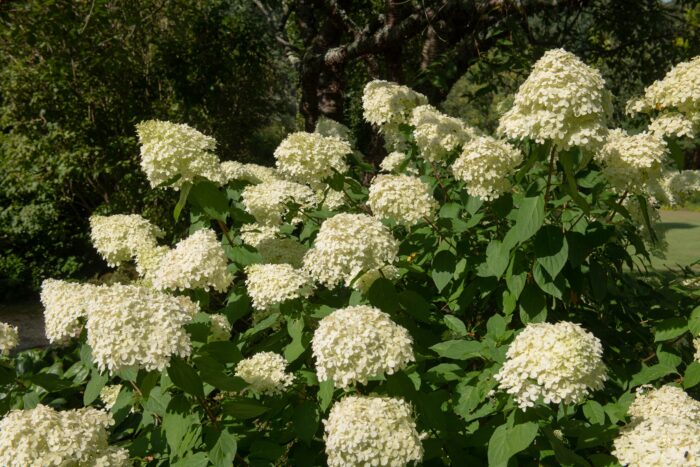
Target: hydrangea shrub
(478,302)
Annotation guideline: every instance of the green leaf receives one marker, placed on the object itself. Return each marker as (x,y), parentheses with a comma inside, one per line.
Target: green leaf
(455,325)
(497,259)
(458,349)
(184,192)
(506,442)
(210,199)
(224,450)
(650,373)
(382,294)
(444,264)
(197,459)
(244,409)
(214,373)
(551,249)
(594,412)
(691,378)
(567,161)
(528,220)
(694,322)
(670,329)
(305,420)
(185,377)
(296,347)
(533,305)
(94,386)
(325,393)
(496,327)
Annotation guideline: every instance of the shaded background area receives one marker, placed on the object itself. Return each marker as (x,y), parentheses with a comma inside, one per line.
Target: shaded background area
(76,76)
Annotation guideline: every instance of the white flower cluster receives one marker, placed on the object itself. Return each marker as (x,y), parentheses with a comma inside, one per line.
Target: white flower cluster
(197,262)
(386,103)
(563,101)
(392,163)
(664,430)
(43,436)
(254,234)
(267,201)
(120,237)
(65,308)
(559,362)
(676,187)
(169,150)
(673,124)
(311,157)
(148,261)
(136,327)
(109,394)
(371,431)
(402,198)
(281,251)
(436,134)
(265,373)
(253,173)
(484,166)
(632,162)
(347,245)
(328,198)
(356,343)
(9,338)
(271,284)
(330,128)
(220,328)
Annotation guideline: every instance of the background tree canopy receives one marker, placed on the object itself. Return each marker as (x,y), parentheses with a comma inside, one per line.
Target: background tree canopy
(75,77)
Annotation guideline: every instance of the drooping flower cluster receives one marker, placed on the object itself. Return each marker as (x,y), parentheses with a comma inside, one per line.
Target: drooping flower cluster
(65,308)
(664,429)
(436,134)
(271,284)
(136,327)
(311,157)
(220,328)
(197,262)
(120,237)
(43,436)
(371,430)
(386,103)
(348,244)
(170,150)
(563,101)
(632,162)
(9,338)
(402,198)
(281,251)
(253,173)
(356,343)
(265,373)
(109,394)
(267,201)
(484,166)
(559,362)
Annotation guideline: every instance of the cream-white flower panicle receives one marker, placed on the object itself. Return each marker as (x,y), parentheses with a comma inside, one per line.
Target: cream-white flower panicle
(356,343)
(109,394)
(43,436)
(311,157)
(676,187)
(197,262)
(65,308)
(553,363)
(563,101)
(252,173)
(9,338)
(674,124)
(268,201)
(265,372)
(254,234)
(485,165)
(664,441)
(118,238)
(281,251)
(347,245)
(329,199)
(137,327)
(148,261)
(387,103)
(170,150)
(436,134)
(402,198)
(632,162)
(330,128)
(393,162)
(371,431)
(220,328)
(668,401)
(272,284)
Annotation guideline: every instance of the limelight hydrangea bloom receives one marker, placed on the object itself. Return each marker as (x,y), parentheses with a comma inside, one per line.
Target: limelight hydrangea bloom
(392,163)
(371,430)
(676,187)
(119,237)
(267,201)
(271,284)
(253,173)
(197,262)
(563,101)
(65,307)
(484,166)
(311,157)
(348,244)
(330,128)
(136,327)
(402,198)
(43,436)
(109,394)
(330,199)
(663,441)
(436,134)
(632,162)
(265,373)
(666,401)
(170,149)
(356,343)
(255,234)
(281,251)
(9,338)
(148,261)
(220,328)
(559,362)
(672,124)
(387,103)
